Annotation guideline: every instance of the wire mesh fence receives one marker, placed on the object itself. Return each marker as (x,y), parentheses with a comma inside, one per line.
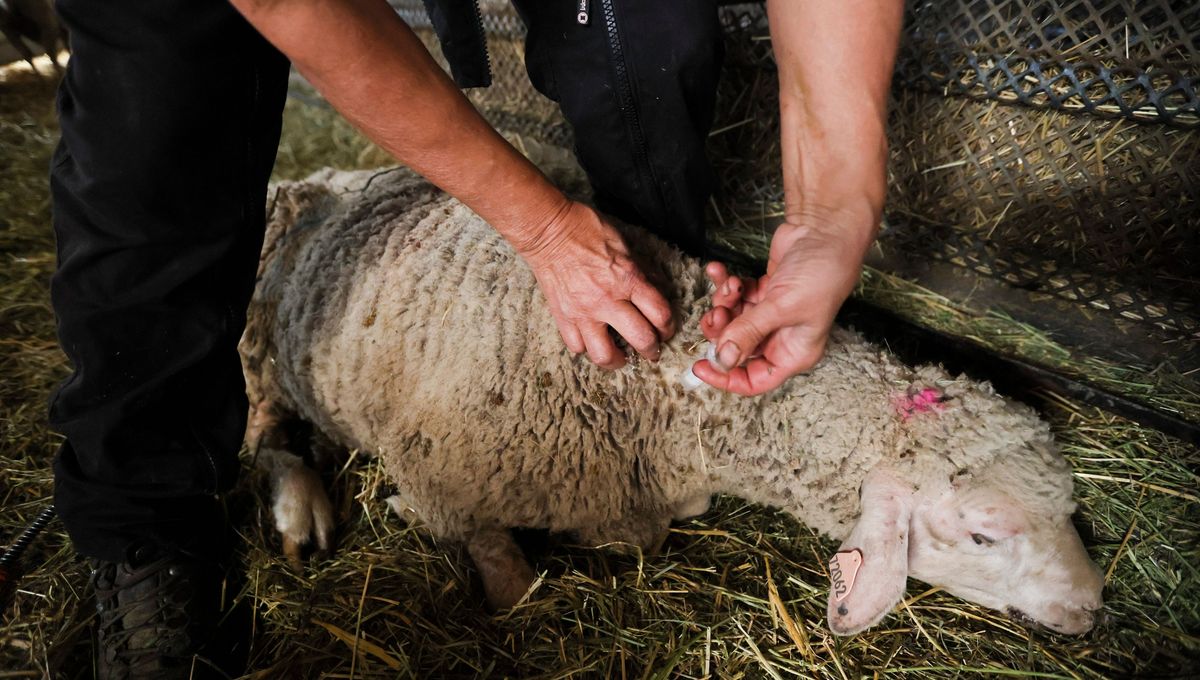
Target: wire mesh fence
(1112,58)
(1049,149)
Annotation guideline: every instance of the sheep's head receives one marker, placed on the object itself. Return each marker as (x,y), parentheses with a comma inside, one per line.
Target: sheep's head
(977,537)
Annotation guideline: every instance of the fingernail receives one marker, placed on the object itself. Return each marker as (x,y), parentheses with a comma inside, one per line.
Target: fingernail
(728,357)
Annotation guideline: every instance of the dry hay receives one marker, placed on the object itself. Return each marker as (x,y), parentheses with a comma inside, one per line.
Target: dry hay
(738,593)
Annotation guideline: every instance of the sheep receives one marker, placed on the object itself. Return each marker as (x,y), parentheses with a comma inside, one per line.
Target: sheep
(397,322)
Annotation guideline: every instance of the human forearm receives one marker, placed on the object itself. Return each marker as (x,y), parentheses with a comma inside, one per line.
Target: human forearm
(835,63)
(835,66)
(376,72)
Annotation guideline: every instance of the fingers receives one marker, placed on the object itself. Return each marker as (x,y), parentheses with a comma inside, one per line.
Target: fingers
(727,291)
(716,272)
(759,375)
(654,307)
(742,337)
(570,335)
(713,323)
(756,377)
(630,324)
(789,351)
(729,299)
(600,347)
(628,321)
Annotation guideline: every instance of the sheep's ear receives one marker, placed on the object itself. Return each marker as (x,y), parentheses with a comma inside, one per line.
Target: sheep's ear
(869,572)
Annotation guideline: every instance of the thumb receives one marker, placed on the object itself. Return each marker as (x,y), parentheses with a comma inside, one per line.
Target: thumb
(744,335)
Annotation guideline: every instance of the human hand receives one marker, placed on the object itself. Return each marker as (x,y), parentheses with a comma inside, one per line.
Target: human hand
(591,283)
(766,330)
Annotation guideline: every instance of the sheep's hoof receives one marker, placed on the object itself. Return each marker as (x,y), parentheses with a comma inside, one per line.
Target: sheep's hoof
(301,510)
(291,552)
(505,573)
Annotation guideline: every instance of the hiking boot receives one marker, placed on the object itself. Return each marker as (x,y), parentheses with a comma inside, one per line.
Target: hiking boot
(155,610)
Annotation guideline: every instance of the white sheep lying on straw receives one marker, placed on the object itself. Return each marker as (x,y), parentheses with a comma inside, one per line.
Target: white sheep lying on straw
(396,321)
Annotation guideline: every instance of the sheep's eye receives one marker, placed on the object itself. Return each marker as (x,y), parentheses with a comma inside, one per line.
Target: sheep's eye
(980,539)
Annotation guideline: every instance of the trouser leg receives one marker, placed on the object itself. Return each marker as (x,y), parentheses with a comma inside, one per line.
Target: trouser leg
(638,85)
(170,115)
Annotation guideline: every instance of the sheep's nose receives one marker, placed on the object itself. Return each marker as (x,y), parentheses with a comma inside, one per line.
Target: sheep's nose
(1090,597)
(1073,620)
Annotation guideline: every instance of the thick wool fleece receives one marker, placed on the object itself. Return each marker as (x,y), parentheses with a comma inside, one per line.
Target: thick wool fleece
(397,321)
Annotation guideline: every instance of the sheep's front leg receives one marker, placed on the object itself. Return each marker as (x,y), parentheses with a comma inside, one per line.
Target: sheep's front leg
(502,566)
(300,506)
(299,503)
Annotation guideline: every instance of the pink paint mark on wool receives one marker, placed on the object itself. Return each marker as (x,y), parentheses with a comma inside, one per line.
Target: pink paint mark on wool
(914,401)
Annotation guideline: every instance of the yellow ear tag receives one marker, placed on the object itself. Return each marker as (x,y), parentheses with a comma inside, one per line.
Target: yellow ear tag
(842,570)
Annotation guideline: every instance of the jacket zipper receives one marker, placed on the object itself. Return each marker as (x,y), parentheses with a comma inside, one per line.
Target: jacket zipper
(583,11)
(641,155)
(487,53)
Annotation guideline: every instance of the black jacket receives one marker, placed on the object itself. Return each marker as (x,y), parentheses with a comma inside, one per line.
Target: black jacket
(459,27)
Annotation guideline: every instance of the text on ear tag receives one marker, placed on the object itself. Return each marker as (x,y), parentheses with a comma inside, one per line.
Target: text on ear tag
(842,570)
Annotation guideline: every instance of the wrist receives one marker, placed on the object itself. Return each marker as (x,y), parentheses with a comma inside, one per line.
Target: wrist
(519,202)
(539,230)
(852,217)
(848,233)
(835,176)
(833,184)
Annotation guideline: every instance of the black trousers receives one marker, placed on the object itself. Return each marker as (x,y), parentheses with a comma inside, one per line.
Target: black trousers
(170,115)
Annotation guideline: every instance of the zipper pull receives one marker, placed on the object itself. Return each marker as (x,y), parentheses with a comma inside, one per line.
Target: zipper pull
(583,13)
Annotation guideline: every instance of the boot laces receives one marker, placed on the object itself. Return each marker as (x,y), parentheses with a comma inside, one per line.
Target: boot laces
(143,614)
